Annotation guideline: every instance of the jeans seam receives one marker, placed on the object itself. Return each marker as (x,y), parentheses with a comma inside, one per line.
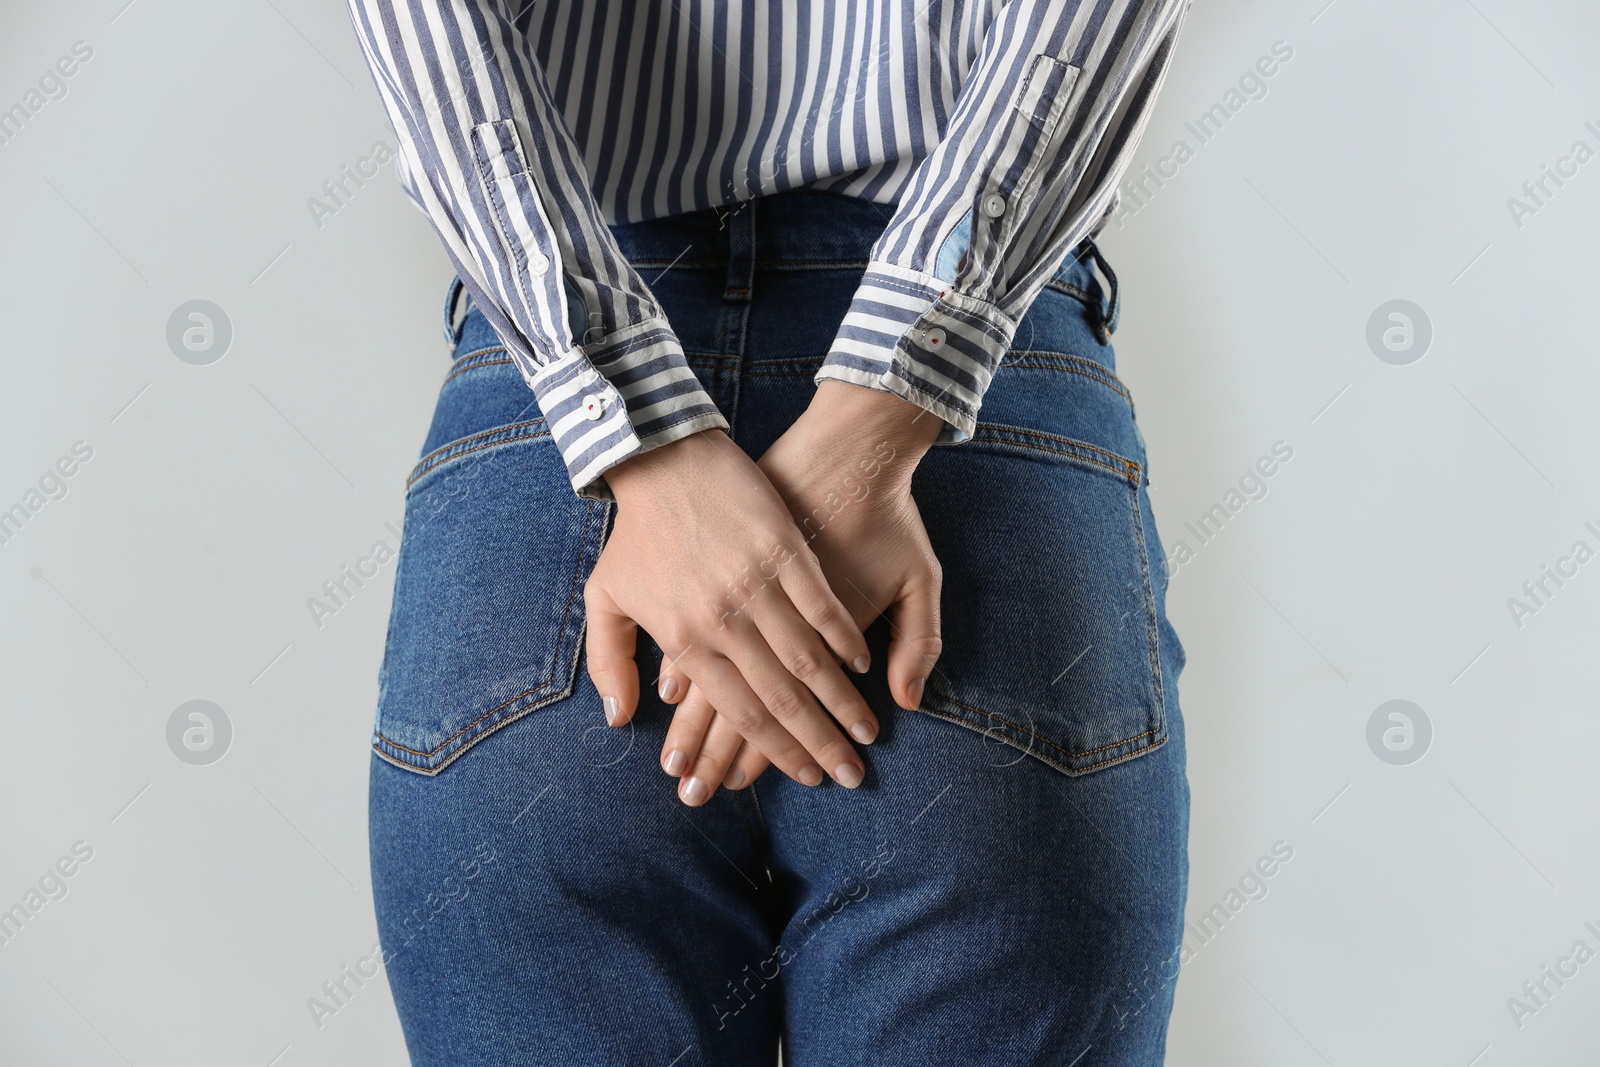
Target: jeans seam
(462,367)
(1044,757)
(760,836)
(428,464)
(1131,471)
(1044,740)
(1020,356)
(1153,636)
(1083,296)
(478,352)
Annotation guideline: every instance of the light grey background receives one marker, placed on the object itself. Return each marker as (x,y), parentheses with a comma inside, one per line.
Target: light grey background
(1378,566)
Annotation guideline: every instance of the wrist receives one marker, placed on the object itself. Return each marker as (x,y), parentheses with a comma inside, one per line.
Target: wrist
(665,467)
(851,424)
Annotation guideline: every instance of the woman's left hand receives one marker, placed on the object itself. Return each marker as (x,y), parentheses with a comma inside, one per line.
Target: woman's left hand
(844,469)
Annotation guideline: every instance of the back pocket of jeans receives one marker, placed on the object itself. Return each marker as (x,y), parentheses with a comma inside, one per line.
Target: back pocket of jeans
(487,620)
(1051,631)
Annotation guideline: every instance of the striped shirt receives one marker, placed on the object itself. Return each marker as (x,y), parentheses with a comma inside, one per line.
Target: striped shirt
(998,128)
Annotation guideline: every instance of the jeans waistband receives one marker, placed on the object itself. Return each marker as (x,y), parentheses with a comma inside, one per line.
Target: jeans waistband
(792,229)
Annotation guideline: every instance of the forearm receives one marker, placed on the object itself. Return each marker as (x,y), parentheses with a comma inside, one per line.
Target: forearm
(489,158)
(1045,126)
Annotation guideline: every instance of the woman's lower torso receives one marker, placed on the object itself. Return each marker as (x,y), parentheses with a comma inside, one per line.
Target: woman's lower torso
(1006,887)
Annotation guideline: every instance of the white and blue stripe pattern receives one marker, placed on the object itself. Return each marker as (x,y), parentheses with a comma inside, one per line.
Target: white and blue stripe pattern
(999,128)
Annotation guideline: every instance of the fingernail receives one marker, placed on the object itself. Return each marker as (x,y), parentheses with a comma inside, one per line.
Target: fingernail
(735,779)
(861,664)
(694,791)
(612,708)
(848,775)
(669,689)
(811,776)
(677,762)
(916,690)
(864,732)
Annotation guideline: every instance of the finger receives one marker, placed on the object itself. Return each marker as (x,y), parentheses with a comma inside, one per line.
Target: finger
(808,590)
(803,655)
(687,733)
(914,639)
(748,765)
(609,647)
(672,684)
(795,710)
(711,767)
(727,690)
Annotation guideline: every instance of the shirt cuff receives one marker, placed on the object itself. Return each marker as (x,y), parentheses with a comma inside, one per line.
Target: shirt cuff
(618,396)
(913,335)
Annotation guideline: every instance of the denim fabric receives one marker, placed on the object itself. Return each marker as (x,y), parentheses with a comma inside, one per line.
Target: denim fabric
(1006,887)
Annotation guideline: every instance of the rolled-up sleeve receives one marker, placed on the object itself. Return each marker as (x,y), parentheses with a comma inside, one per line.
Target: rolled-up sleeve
(1040,135)
(487,156)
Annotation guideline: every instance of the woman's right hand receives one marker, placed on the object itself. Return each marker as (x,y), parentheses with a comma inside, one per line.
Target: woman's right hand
(844,469)
(705,555)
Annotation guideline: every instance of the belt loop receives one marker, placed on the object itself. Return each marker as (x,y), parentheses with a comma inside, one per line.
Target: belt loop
(741,223)
(1113,306)
(452,329)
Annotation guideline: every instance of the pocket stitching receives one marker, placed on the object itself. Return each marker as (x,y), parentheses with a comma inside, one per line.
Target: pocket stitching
(1045,740)
(459,370)
(566,616)
(446,455)
(1130,471)
(1018,358)
(477,352)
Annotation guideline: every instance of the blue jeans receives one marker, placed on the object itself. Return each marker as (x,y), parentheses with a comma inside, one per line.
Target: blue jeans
(1007,886)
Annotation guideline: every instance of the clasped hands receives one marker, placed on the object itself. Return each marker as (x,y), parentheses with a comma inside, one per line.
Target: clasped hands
(756,580)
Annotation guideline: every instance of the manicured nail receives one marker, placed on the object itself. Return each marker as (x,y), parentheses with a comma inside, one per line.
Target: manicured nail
(669,689)
(864,732)
(735,779)
(613,709)
(694,791)
(677,762)
(861,664)
(811,775)
(848,775)
(916,690)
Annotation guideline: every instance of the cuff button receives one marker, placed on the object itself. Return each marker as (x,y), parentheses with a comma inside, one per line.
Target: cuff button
(594,405)
(933,339)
